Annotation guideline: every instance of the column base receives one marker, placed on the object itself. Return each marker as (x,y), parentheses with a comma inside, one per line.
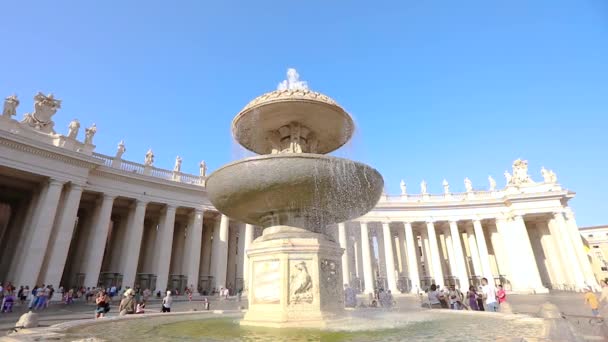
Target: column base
(296,279)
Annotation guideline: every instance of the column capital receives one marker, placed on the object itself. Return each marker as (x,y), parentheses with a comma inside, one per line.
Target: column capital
(385,222)
(109,197)
(172,207)
(76,186)
(430,222)
(199,211)
(407,223)
(56,182)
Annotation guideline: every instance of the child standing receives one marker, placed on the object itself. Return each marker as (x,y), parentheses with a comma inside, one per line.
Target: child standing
(591,300)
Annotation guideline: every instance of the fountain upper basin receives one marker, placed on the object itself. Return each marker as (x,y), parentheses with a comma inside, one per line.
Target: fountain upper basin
(295,189)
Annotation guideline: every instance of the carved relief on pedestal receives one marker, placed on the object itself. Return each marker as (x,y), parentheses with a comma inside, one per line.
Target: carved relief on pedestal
(330,278)
(267,282)
(300,282)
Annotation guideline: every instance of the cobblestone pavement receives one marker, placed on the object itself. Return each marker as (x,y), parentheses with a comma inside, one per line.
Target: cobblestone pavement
(570,304)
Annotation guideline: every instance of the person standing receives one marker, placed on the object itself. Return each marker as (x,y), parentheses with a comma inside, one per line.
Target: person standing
(489,294)
(472,296)
(592,302)
(501,295)
(167,301)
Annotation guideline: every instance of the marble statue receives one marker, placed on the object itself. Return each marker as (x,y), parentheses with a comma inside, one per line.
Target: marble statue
(292,82)
(492,183)
(553,176)
(202,169)
(44,109)
(149,158)
(120,150)
(89,133)
(423,187)
(73,128)
(178,164)
(446,187)
(403,187)
(468,185)
(300,284)
(10,106)
(508,177)
(546,176)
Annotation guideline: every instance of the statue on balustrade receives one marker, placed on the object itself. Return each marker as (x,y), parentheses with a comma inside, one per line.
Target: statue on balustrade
(178,164)
(202,168)
(423,187)
(548,175)
(73,129)
(44,109)
(446,187)
(89,133)
(468,185)
(10,106)
(403,187)
(149,158)
(120,150)
(508,177)
(492,183)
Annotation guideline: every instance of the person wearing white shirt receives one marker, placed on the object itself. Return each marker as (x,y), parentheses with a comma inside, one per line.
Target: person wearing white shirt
(167,301)
(489,294)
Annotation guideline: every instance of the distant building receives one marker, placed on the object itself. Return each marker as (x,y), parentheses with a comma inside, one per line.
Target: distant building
(596,243)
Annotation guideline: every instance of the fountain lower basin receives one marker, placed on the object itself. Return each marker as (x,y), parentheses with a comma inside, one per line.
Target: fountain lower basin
(295,189)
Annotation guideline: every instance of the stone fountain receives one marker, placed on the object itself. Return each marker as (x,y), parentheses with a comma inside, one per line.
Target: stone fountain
(295,192)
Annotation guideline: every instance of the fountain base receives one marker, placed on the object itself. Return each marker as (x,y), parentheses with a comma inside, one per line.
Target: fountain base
(295,279)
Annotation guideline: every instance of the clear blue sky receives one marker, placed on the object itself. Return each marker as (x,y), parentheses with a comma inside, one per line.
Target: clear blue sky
(438,89)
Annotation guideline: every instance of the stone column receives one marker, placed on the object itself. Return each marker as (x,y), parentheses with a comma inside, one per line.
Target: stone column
(459,256)
(249,230)
(401,257)
(526,262)
(165,238)
(449,246)
(98,238)
(559,224)
(35,249)
(389,258)
(60,245)
(437,272)
(474,252)
(426,252)
(368,276)
(482,248)
(412,259)
(345,266)
(135,232)
(222,253)
(580,249)
(195,240)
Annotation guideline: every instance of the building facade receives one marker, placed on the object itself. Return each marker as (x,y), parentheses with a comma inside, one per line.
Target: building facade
(73,217)
(596,243)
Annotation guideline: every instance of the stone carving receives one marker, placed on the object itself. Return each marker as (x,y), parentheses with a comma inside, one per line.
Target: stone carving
(44,109)
(120,150)
(274,139)
(423,187)
(329,284)
(492,183)
(73,129)
(10,106)
(178,164)
(89,133)
(300,284)
(548,175)
(149,158)
(202,168)
(403,187)
(282,95)
(468,185)
(520,173)
(446,187)
(292,82)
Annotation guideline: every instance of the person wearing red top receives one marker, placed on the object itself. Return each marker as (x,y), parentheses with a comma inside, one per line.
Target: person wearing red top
(501,295)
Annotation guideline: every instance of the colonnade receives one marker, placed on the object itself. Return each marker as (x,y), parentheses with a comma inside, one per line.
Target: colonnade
(525,253)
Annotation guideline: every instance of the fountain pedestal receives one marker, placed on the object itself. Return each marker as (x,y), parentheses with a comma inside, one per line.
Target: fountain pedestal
(296,279)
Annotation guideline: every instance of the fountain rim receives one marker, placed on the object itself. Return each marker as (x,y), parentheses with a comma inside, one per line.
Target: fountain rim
(301,96)
(284,155)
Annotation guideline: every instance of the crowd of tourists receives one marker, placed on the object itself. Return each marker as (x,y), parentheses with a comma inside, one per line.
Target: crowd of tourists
(484,298)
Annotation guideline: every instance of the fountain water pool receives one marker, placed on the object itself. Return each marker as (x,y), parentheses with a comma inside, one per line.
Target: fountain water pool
(363,325)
